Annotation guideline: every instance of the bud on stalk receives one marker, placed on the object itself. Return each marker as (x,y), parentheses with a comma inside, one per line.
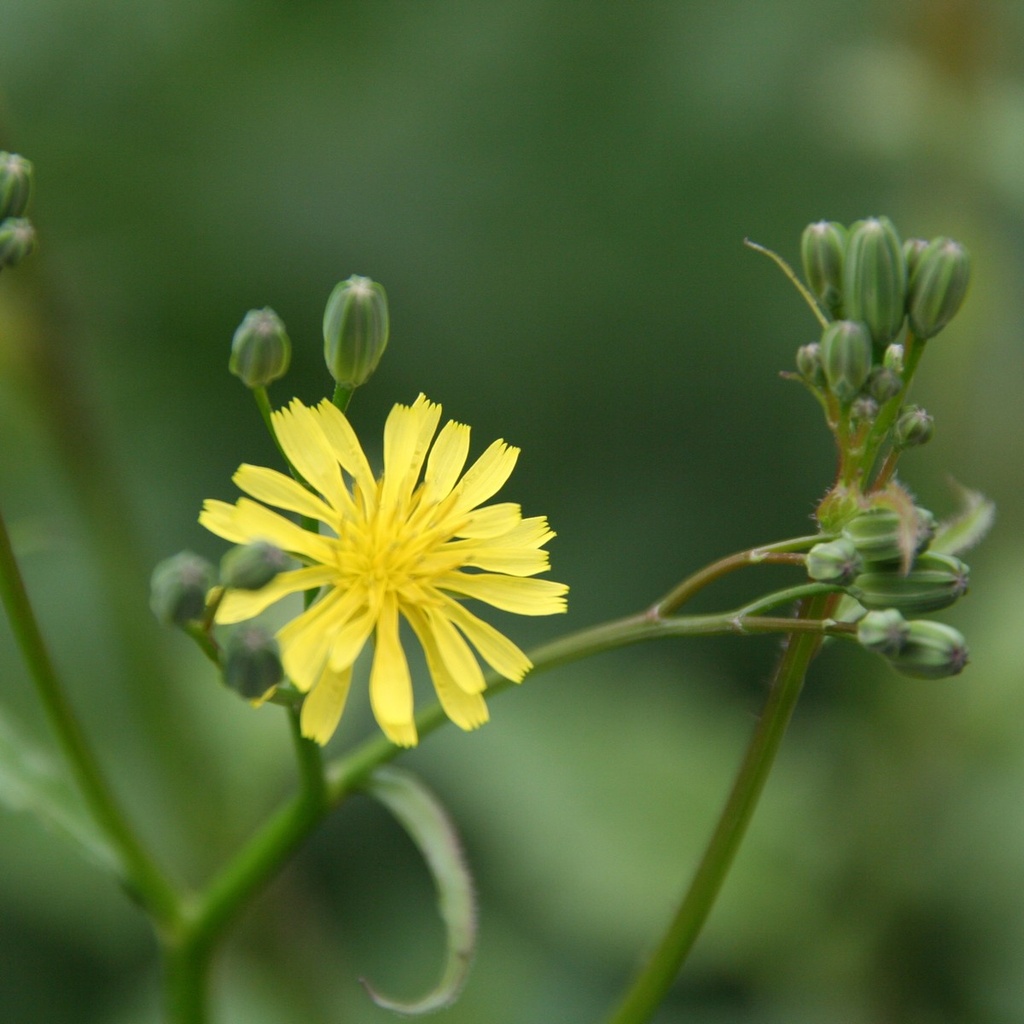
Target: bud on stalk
(875,278)
(937,286)
(935,581)
(932,650)
(846,358)
(260,349)
(356,330)
(821,250)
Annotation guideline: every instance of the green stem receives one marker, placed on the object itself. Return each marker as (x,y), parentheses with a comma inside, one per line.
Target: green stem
(141,873)
(781,553)
(657,976)
(292,823)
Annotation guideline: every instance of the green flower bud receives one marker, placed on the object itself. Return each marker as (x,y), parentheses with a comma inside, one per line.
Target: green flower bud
(938,286)
(878,534)
(884,632)
(252,662)
(834,561)
(821,249)
(893,359)
(178,588)
(912,249)
(15,184)
(846,358)
(932,650)
(864,409)
(251,566)
(260,349)
(808,362)
(914,427)
(934,582)
(17,240)
(884,384)
(355,330)
(875,278)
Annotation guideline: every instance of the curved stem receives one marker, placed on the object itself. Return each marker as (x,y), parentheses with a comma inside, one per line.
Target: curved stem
(295,819)
(655,979)
(146,880)
(781,553)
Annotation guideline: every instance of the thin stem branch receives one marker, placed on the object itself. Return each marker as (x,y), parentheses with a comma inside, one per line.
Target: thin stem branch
(782,553)
(657,976)
(141,873)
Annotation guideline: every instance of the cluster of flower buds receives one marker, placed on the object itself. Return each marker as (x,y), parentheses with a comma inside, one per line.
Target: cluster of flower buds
(185,590)
(882,562)
(356,328)
(876,293)
(17,235)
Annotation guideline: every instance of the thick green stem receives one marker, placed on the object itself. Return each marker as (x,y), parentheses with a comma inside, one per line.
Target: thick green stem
(657,976)
(141,873)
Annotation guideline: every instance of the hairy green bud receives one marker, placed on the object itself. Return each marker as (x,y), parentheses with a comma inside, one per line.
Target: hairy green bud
(884,384)
(878,535)
(932,650)
(821,250)
(178,588)
(834,561)
(846,358)
(252,566)
(937,286)
(15,184)
(252,662)
(17,240)
(260,349)
(356,328)
(875,278)
(934,582)
(808,363)
(892,359)
(913,428)
(884,632)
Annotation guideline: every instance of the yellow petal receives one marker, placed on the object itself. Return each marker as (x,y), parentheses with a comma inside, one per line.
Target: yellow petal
(219,517)
(530,533)
(322,708)
(347,449)
(495,648)
(509,593)
(274,488)
(390,682)
(447,458)
(490,521)
(239,605)
(515,561)
(486,476)
(299,434)
(454,652)
(407,435)
(247,521)
(306,640)
(351,638)
(466,710)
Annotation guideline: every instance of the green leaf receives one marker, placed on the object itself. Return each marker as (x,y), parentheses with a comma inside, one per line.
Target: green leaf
(968,527)
(420,813)
(30,781)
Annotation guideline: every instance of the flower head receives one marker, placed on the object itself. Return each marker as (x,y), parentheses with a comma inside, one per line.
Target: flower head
(412,543)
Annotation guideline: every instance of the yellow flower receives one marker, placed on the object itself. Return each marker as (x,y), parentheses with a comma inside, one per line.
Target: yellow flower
(394,547)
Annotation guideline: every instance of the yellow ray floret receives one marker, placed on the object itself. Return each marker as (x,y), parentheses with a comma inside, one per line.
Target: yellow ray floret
(411,544)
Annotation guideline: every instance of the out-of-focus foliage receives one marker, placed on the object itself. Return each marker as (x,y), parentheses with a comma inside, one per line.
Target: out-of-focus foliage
(554,196)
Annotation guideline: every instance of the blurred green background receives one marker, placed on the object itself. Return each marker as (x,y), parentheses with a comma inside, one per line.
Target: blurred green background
(555,196)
